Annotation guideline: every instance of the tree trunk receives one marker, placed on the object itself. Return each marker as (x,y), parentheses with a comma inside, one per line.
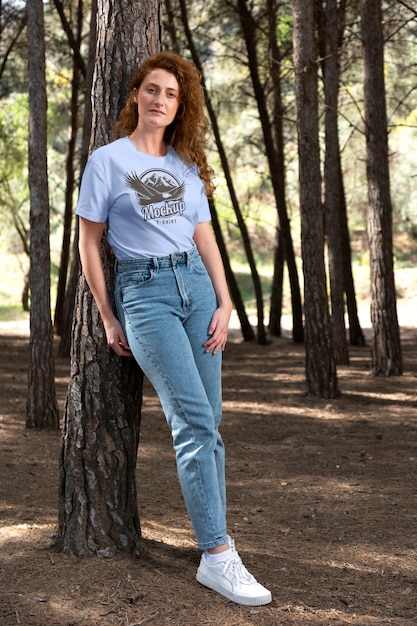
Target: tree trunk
(335,23)
(64,348)
(246,328)
(275,313)
(356,336)
(64,307)
(386,345)
(98,507)
(320,366)
(276,165)
(332,198)
(71,287)
(284,249)
(69,195)
(42,407)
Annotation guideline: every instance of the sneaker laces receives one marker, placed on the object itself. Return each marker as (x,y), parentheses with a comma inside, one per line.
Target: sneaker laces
(235,567)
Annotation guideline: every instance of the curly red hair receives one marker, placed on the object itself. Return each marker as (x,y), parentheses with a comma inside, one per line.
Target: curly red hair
(189,131)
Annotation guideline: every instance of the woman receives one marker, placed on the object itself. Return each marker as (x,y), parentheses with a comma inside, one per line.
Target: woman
(173,307)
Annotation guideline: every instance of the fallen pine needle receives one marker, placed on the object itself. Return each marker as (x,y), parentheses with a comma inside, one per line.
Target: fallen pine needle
(145,619)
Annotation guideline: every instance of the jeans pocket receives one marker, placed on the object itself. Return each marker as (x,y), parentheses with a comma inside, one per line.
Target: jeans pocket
(197,265)
(132,280)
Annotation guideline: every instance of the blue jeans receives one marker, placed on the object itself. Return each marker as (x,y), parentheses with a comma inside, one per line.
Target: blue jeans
(165,306)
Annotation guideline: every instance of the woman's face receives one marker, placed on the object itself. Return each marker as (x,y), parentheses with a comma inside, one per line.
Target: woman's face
(157,99)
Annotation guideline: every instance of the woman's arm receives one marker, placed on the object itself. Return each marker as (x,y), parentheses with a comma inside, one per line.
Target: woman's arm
(210,254)
(89,246)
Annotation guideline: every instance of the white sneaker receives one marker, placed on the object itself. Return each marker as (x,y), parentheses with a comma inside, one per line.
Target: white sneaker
(232,580)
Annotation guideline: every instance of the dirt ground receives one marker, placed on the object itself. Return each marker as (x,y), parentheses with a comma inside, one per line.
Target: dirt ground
(321,495)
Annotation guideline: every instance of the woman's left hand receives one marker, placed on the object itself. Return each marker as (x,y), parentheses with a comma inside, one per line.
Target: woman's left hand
(218,330)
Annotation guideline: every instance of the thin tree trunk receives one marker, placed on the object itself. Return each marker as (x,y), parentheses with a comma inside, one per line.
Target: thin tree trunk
(320,366)
(64,348)
(23,233)
(71,287)
(234,289)
(245,326)
(284,250)
(356,336)
(69,187)
(332,198)
(276,165)
(42,407)
(275,313)
(386,345)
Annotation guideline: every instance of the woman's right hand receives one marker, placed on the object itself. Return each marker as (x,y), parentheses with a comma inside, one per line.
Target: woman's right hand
(116,338)
(89,245)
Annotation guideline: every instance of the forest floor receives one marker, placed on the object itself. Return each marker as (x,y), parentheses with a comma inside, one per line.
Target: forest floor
(321,496)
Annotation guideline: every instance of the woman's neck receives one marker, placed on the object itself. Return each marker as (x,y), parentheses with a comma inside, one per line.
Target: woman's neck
(154,145)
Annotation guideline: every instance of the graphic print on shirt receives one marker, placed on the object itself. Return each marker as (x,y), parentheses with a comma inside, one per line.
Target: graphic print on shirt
(159,194)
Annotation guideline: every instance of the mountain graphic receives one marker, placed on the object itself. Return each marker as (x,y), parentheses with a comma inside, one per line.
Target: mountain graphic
(160,181)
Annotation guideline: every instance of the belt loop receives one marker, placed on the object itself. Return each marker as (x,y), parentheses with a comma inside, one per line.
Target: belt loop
(188,257)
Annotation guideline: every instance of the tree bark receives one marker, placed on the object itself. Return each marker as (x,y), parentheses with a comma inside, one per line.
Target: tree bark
(386,345)
(284,250)
(332,199)
(59,316)
(42,407)
(98,507)
(277,289)
(320,366)
(356,336)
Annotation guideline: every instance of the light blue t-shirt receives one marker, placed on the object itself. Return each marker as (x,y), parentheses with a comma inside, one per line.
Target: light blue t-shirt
(152,204)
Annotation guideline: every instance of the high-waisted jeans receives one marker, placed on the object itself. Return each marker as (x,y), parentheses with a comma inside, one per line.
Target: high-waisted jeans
(165,306)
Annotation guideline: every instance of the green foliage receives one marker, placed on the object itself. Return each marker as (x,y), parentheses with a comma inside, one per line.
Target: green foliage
(12,46)
(12,313)
(14,191)
(284,30)
(403,140)
(14,266)
(14,122)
